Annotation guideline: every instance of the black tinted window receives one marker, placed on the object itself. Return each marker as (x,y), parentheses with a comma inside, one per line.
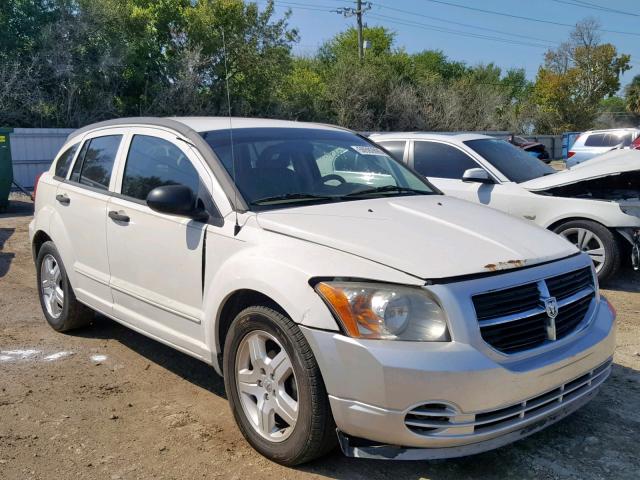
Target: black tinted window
(95,162)
(595,140)
(64,161)
(514,163)
(433,159)
(153,162)
(396,149)
(77,167)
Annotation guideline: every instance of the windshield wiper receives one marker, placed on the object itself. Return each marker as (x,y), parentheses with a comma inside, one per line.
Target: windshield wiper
(387,189)
(290,197)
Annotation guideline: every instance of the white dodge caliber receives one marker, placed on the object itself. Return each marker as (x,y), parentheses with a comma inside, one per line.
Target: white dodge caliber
(365,303)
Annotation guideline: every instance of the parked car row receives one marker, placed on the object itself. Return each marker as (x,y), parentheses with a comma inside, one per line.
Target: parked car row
(336,288)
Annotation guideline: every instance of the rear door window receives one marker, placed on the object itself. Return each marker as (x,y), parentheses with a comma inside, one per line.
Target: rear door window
(439,160)
(595,140)
(64,161)
(94,165)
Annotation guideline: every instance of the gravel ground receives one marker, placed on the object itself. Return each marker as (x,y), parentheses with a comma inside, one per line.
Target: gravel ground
(105,402)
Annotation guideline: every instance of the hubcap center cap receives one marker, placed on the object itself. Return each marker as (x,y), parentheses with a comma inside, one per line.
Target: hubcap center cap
(268,385)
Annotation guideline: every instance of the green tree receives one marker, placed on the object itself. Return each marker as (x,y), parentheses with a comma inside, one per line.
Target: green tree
(632,96)
(575,78)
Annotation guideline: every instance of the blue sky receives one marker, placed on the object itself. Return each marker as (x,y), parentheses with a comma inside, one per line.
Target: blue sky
(317,23)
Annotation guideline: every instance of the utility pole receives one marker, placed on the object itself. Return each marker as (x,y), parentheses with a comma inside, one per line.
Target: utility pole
(357,12)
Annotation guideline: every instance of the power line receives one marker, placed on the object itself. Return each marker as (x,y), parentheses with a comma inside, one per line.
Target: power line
(410,23)
(529,19)
(440,19)
(425,26)
(592,6)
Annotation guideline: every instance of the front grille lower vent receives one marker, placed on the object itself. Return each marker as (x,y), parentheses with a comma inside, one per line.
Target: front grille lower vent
(516,318)
(438,420)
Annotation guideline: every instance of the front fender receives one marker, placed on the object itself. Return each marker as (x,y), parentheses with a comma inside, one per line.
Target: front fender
(280,267)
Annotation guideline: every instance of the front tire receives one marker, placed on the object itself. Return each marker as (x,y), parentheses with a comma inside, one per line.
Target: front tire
(275,389)
(597,241)
(59,305)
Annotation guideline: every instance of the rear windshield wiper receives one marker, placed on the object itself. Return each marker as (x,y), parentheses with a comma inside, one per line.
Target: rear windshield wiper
(290,197)
(387,189)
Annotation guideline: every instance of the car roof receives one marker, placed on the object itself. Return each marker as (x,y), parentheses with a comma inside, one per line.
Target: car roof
(443,136)
(611,130)
(201,124)
(204,124)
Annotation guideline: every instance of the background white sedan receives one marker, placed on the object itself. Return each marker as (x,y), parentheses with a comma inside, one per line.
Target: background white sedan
(595,205)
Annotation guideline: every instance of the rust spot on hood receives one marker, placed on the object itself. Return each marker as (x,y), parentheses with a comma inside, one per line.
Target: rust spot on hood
(492,267)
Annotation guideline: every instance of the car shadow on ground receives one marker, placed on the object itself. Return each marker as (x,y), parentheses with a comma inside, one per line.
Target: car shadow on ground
(581,439)
(189,368)
(18,208)
(5,257)
(627,280)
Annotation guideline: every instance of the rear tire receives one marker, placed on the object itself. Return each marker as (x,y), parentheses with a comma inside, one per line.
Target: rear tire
(597,241)
(59,305)
(262,333)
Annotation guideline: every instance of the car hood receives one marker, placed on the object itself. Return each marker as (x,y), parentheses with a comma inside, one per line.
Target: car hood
(428,237)
(610,163)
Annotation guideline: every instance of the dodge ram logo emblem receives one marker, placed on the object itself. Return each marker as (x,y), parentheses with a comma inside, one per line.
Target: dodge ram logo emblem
(551,307)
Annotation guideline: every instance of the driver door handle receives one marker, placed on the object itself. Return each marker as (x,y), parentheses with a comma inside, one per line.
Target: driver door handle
(63,199)
(118,217)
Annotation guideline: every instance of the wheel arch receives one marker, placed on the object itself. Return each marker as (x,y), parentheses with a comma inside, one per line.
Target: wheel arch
(39,238)
(563,220)
(233,304)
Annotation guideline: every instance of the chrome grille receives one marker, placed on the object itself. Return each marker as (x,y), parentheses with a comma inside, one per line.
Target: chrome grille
(434,419)
(516,319)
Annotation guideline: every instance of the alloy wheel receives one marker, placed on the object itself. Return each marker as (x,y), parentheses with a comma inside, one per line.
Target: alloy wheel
(588,242)
(51,286)
(267,386)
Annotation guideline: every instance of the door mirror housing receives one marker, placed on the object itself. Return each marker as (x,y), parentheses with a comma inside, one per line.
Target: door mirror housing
(176,200)
(479,175)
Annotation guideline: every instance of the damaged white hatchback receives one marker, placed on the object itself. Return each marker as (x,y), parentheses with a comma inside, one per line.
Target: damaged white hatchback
(361,309)
(595,205)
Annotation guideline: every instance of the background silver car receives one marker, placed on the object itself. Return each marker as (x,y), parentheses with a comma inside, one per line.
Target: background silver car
(596,142)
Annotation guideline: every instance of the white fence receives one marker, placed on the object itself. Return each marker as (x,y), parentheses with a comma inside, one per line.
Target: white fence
(33,150)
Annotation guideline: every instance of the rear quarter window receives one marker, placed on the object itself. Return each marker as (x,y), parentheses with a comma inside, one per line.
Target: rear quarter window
(64,161)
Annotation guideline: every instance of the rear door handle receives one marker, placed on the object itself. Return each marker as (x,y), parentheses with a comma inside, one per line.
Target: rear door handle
(63,199)
(118,217)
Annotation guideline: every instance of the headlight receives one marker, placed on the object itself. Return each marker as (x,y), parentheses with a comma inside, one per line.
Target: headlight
(389,312)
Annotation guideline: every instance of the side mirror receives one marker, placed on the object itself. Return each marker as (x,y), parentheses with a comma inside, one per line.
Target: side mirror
(479,175)
(176,200)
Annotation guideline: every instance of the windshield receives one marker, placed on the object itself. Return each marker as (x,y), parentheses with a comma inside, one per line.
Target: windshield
(515,164)
(282,167)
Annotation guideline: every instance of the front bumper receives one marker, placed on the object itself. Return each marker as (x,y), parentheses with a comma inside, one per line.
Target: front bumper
(488,400)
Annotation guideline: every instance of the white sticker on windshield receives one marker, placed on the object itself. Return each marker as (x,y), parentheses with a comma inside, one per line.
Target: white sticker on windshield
(367,150)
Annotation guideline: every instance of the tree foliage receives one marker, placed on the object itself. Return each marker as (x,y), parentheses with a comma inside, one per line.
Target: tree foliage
(632,96)
(575,78)
(71,62)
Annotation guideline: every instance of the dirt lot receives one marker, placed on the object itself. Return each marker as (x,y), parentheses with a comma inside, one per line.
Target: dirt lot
(106,402)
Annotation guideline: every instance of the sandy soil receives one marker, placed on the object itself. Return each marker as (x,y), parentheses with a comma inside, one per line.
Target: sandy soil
(106,402)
